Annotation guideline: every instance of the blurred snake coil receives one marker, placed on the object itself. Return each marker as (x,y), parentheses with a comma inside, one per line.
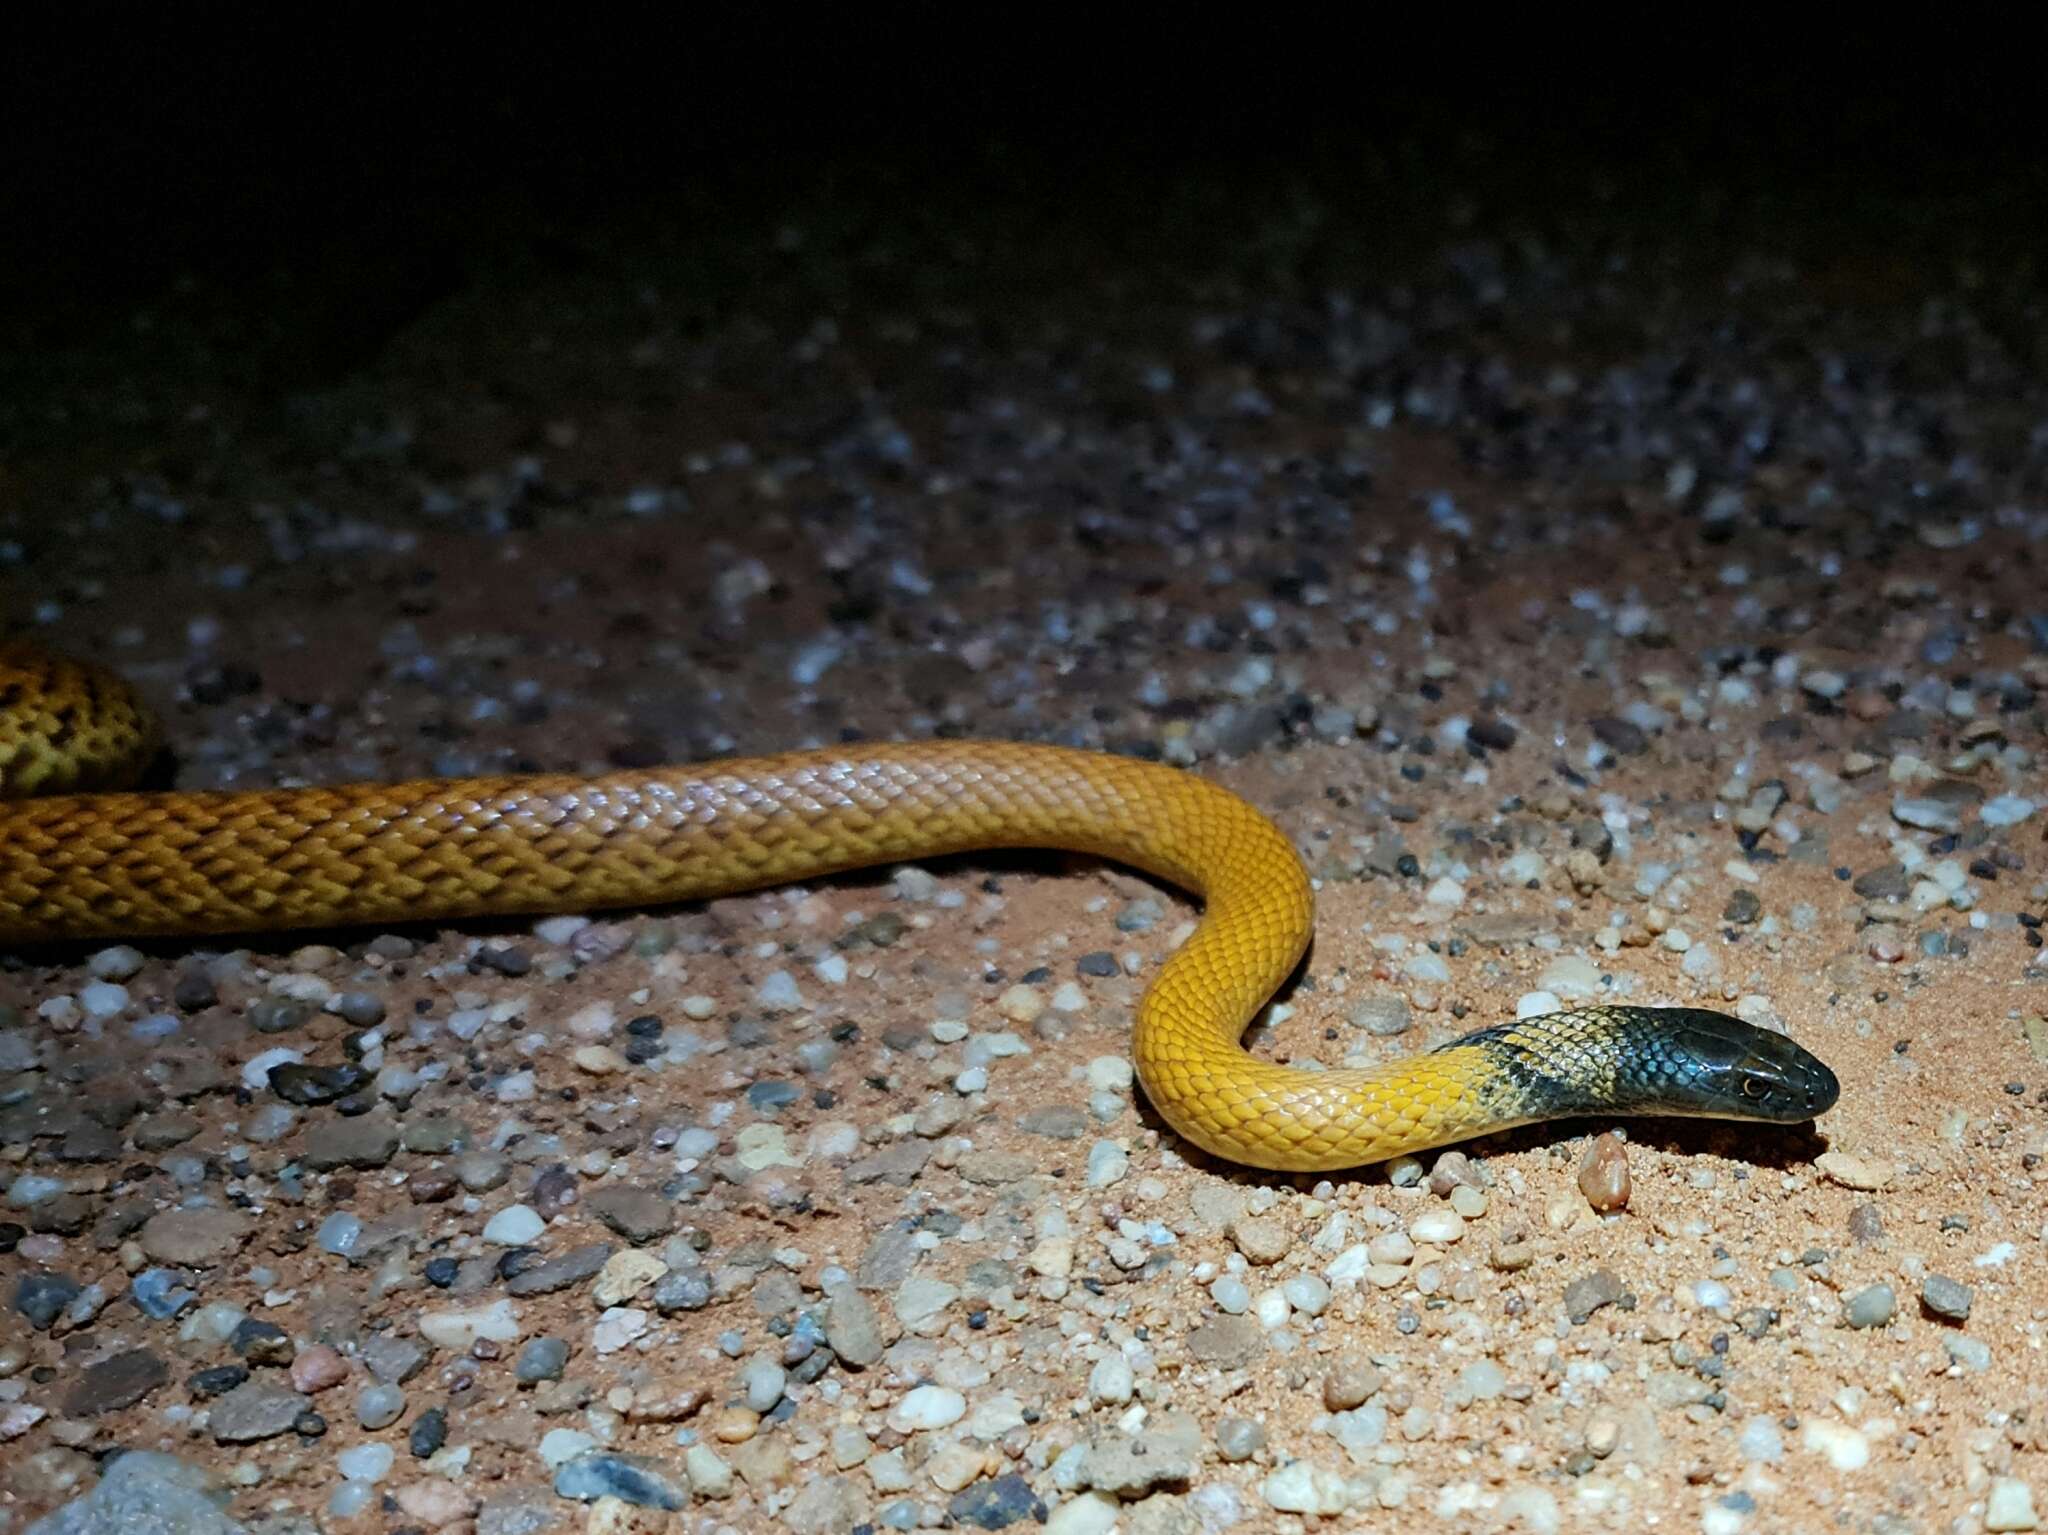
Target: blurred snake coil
(84,856)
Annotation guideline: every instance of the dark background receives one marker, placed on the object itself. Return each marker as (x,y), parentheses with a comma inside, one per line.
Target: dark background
(341,176)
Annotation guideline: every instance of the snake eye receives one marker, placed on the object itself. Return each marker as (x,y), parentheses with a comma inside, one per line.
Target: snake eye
(1754,1087)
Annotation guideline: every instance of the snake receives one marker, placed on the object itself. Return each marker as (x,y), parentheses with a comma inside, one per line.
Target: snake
(87,855)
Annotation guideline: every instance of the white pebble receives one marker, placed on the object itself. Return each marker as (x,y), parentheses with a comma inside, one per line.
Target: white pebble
(1845,1448)
(457,1330)
(927,1407)
(1232,1296)
(1536,1004)
(1111,1382)
(1110,1074)
(779,994)
(1092,1513)
(1440,1228)
(1422,965)
(120,962)
(2010,1506)
(102,999)
(1307,1294)
(1570,976)
(763,1381)
(1107,1164)
(365,1462)
(616,1327)
(2006,810)
(514,1226)
(1302,1488)
(1761,1441)
(560,1445)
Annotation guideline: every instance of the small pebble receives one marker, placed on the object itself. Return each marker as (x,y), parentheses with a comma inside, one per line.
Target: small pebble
(2010,1506)
(1945,1297)
(1603,1174)
(1349,1381)
(1870,1307)
(379,1406)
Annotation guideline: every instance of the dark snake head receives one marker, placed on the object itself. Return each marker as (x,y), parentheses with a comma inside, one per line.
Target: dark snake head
(1709,1065)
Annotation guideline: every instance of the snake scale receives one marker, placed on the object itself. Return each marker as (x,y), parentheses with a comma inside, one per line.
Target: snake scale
(84,856)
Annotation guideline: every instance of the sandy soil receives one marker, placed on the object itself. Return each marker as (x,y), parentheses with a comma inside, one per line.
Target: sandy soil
(1602,615)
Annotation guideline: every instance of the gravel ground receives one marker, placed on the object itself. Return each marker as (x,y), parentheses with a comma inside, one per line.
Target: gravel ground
(1607,612)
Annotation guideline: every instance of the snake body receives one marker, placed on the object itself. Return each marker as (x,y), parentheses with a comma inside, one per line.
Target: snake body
(88,860)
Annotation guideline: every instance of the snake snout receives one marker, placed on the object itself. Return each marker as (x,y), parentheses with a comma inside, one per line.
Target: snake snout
(1790,1086)
(1723,1068)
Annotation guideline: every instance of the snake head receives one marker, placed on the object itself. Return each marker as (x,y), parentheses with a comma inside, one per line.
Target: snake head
(1713,1066)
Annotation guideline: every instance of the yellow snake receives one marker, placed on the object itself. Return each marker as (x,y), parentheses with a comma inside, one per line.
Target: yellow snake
(87,859)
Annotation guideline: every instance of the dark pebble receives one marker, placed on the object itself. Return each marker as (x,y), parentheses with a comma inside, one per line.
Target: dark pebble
(441,1272)
(1889,883)
(260,1342)
(503,960)
(573,1267)
(1743,907)
(514,1261)
(1946,1297)
(1866,1225)
(541,1359)
(42,1297)
(997,1504)
(64,1216)
(772,1097)
(115,1383)
(638,1215)
(216,1381)
(11,1233)
(1491,732)
(879,931)
(1099,963)
(429,1433)
(1755,1321)
(193,990)
(363,1009)
(211,684)
(277,1015)
(90,1143)
(1590,1292)
(430,1186)
(296,1082)
(435,1133)
(309,1425)
(554,1190)
(1620,736)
